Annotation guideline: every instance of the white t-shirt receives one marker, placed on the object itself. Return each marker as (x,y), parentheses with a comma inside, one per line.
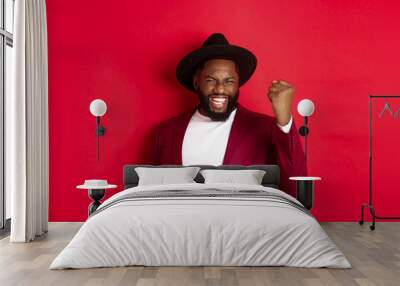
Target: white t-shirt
(205,140)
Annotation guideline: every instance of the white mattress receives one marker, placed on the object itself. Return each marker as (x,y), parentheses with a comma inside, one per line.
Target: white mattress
(183,231)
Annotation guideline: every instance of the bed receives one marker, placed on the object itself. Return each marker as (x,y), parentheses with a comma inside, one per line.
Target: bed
(201,224)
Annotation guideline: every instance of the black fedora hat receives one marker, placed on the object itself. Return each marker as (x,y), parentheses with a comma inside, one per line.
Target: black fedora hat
(216,46)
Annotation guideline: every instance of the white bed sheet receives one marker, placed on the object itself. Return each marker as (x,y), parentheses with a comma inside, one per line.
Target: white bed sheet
(200,231)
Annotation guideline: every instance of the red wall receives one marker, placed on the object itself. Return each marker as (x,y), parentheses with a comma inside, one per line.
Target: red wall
(125,52)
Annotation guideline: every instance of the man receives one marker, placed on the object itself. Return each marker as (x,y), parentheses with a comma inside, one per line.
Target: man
(220,131)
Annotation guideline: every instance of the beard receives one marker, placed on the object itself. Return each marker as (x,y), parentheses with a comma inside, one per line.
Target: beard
(217,116)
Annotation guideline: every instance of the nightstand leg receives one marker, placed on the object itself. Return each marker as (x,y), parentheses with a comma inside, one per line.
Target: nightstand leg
(96,195)
(305,193)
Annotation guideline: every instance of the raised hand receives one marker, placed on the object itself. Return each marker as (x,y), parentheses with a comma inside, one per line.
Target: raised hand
(280,93)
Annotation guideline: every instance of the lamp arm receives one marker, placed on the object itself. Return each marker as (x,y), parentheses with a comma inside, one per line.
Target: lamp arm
(100,130)
(305,139)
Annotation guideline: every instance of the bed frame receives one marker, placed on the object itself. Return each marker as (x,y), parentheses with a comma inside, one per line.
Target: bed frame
(270,179)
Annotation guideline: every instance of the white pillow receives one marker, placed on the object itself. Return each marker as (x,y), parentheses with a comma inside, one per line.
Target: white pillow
(162,176)
(249,177)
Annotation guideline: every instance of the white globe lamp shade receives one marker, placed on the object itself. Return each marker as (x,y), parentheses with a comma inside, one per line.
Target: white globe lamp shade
(98,107)
(305,107)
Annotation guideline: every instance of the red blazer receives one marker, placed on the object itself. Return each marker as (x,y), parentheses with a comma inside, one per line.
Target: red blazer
(254,139)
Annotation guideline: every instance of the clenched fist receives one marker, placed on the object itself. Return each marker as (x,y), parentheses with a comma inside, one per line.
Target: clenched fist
(280,93)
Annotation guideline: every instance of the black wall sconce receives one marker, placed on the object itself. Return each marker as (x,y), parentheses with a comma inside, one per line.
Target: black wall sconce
(98,108)
(306,109)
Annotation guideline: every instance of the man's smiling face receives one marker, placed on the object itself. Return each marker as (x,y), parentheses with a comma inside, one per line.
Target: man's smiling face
(217,85)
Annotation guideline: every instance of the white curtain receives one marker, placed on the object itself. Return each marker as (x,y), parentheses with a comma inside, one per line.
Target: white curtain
(27,124)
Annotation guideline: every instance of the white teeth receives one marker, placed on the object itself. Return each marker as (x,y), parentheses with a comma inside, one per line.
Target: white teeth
(219,100)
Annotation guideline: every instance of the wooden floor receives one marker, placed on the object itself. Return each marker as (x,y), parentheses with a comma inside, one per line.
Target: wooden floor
(375,257)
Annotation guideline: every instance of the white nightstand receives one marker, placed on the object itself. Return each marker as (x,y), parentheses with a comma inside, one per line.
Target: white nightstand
(305,190)
(96,191)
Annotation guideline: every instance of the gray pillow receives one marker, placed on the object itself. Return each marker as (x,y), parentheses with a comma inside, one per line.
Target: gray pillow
(249,177)
(162,176)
